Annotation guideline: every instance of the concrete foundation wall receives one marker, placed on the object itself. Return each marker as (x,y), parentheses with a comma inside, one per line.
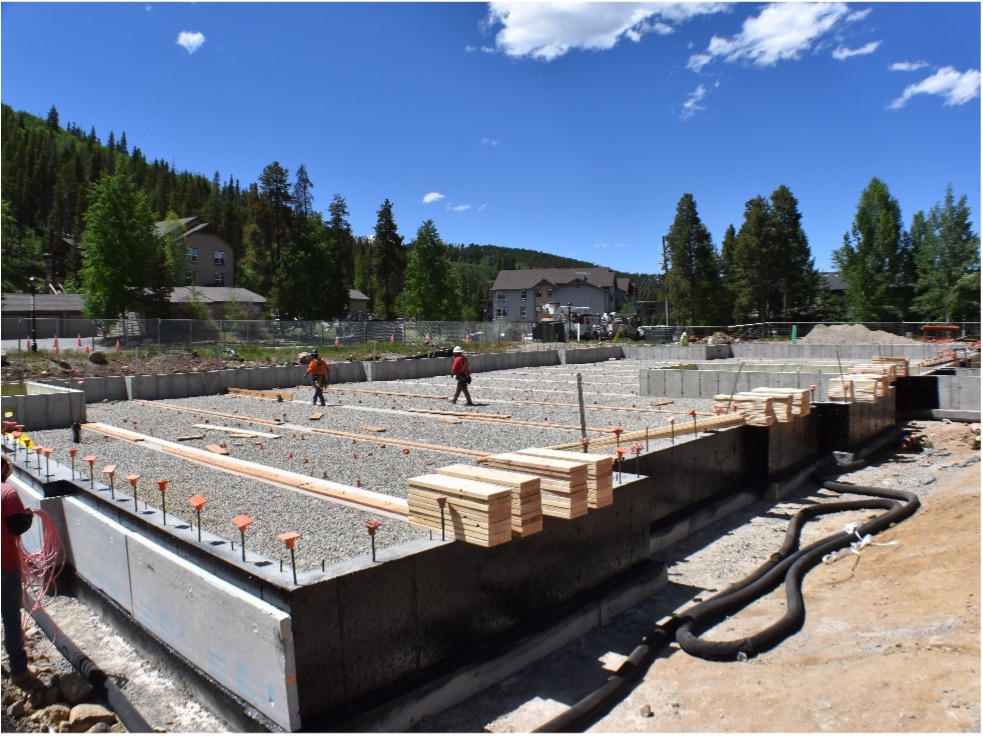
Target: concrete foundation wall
(45,406)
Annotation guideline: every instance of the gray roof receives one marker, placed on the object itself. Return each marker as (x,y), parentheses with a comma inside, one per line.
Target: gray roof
(356,294)
(529,278)
(216,294)
(833,280)
(44,302)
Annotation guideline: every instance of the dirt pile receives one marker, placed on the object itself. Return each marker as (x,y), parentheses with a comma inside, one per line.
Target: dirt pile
(851,335)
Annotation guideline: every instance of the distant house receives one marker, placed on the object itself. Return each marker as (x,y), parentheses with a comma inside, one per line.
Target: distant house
(358,304)
(210,257)
(833,281)
(218,300)
(536,293)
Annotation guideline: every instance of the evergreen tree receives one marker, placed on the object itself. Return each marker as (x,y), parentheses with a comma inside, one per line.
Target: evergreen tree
(693,279)
(343,243)
(303,198)
(170,261)
(796,277)
(431,290)
(728,272)
(947,260)
(875,261)
(120,245)
(274,214)
(753,266)
(388,261)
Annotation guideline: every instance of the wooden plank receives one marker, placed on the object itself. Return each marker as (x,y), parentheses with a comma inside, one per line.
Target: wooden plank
(449,420)
(217,449)
(370,428)
(189,437)
(429,498)
(459,486)
(316,417)
(524,483)
(262,394)
(681,428)
(451,412)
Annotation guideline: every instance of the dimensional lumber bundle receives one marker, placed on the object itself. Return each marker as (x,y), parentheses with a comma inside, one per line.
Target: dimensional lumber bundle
(840,389)
(867,386)
(562,485)
(801,398)
(527,505)
(900,364)
(760,410)
(600,484)
(885,370)
(474,512)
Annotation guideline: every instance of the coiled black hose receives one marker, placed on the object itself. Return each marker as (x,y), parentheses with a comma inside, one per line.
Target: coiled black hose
(128,715)
(789,563)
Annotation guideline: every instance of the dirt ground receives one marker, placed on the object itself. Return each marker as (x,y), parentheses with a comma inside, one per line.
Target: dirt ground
(891,641)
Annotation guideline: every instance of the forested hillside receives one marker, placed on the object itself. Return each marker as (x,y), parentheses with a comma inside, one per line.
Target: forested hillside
(48,183)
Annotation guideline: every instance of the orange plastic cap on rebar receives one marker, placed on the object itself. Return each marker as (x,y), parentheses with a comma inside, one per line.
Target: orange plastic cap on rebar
(162,484)
(133,479)
(197,502)
(109,470)
(372,525)
(73,452)
(48,451)
(620,451)
(288,538)
(90,459)
(242,521)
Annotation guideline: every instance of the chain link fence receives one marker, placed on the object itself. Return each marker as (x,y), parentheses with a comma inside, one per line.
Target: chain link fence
(174,334)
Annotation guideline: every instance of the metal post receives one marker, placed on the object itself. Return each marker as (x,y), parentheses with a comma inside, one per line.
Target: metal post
(583,416)
(34,323)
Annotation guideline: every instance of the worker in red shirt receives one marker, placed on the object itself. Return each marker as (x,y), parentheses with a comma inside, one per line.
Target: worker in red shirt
(461,370)
(321,373)
(16,521)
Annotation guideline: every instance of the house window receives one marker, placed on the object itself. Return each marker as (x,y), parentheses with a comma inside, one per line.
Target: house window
(522,295)
(539,292)
(502,313)
(501,296)
(191,277)
(220,258)
(522,313)
(549,292)
(192,255)
(219,279)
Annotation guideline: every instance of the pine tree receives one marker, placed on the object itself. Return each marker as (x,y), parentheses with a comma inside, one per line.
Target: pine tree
(693,279)
(947,260)
(342,241)
(120,245)
(753,265)
(388,261)
(875,261)
(796,278)
(431,290)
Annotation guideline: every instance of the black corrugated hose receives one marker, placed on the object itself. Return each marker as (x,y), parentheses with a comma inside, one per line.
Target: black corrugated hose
(128,715)
(789,565)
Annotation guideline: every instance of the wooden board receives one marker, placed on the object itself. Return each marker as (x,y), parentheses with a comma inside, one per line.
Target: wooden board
(316,416)
(189,437)
(459,487)
(523,483)
(259,394)
(370,428)
(216,449)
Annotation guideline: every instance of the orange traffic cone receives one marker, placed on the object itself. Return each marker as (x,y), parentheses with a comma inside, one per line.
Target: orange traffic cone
(117,346)
(467,338)
(57,351)
(79,341)
(337,342)
(426,340)
(392,338)
(86,349)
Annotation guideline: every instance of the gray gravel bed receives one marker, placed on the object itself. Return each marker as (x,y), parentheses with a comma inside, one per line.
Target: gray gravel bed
(331,531)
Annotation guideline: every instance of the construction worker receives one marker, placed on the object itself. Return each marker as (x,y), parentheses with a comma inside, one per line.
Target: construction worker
(321,376)
(461,370)
(16,520)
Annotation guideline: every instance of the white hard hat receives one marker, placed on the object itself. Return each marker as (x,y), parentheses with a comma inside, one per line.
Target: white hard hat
(457,349)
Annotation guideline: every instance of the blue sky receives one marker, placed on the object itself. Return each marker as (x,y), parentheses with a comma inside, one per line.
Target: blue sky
(570,128)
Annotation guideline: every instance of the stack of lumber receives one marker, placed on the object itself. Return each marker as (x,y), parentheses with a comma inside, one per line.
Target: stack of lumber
(600,482)
(900,365)
(562,485)
(885,370)
(527,506)
(760,410)
(801,398)
(840,389)
(475,512)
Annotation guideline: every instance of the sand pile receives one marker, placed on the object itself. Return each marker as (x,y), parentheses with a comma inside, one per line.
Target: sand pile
(851,335)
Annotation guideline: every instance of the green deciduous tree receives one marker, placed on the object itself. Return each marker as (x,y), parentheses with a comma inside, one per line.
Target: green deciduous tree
(431,290)
(120,245)
(388,262)
(694,268)
(875,260)
(947,262)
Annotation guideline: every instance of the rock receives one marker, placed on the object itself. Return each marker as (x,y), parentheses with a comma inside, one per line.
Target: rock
(99,728)
(85,716)
(52,694)
(17,709)
(55,714)
(645,711)
(927,480)
(98,357)
(74,688)
(967,461)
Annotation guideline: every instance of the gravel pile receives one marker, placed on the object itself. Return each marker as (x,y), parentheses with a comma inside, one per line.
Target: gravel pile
(851,335)
(376,461)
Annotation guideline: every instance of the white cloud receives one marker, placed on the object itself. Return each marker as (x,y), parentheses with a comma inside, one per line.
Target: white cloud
(192,41)
(548,30)
(486,141)
(841,53)
(782,31)
(458,207)
(610,245)
(907,66)
(432,197)
(692,104)
(957,88)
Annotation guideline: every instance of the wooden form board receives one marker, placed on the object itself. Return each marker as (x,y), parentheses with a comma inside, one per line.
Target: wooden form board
(682,427)
(801,398)
(901,365)
(359,496)
(600,482)
(527,507)
(885,370)
(260,394)
(563,484)
(760,410)
(239,432)
(208,412)
(475,512)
